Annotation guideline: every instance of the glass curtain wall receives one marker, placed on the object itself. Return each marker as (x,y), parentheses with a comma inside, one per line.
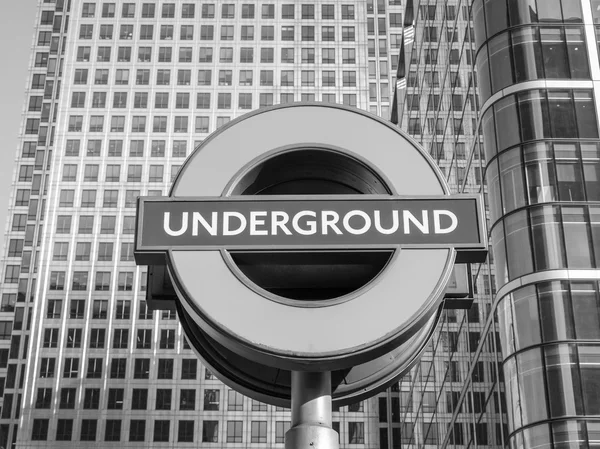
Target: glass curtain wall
(535,64)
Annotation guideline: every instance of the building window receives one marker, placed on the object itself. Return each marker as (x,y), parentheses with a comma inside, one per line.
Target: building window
(148,10)
(268,11)
(308,33)
(308,55)
(118,368)
(234,431)
(67,398)
(187,11)
(163,399)
(139,399)
(356,433)
(287,33)
(167,339)
(265,100)
(6,330)
(224,100)
(211,399)
(80,280)
(187,400)
(181,124)
(168,11)
(227,32)
(8,302)
(281,427)
(165,54)
(144,339)
(185,432)
(348,34)
(349,78)
(328,12)
(328,33)
(97,336)
(39,430)
(206,32)
(308,78)
(141,369)
(235,401)
(120,338)
(123,310)
(287,78)
(100,308)
(210,431)
(186,32)
(88,429)
(113,430)
(165,369)
(94,368)
(266,55)
(258,432)
(245,101)
(44,398)
(228,11)
(137,430)
(138,124)
(91,399)
(205,54)
(328,78)
(267,33)
(115,398)
(189,369)
(328,55)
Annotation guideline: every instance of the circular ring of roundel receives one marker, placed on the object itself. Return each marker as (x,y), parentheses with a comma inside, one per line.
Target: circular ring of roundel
(366,325)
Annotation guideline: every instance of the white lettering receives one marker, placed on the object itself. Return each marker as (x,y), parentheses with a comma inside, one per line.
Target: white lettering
(240,217)
(312,225)
(254,222)
(437,222)
(279,220)
(167,224)
(329,219)
(210,228)
(408,217)
(357,213)
(380,228)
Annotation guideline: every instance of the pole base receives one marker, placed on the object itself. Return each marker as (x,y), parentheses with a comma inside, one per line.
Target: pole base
(311,436)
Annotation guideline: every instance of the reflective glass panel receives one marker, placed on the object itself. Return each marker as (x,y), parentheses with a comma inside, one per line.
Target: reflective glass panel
(527,54)
(547,238)
(577,241)
(555,311)
(564,386)
(518,245)
(526,319)
(539,173)
(531,386)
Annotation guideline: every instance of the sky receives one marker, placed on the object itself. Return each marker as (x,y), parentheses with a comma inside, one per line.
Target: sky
(17,18)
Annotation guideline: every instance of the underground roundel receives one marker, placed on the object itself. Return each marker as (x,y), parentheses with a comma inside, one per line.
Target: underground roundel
(309,236)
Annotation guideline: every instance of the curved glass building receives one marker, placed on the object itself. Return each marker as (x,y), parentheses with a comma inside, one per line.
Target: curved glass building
(532,80)
(537,65)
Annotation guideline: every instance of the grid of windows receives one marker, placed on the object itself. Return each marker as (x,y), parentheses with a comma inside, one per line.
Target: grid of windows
(143,68)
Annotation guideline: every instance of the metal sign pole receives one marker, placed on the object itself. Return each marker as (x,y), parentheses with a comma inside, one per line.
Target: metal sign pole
(311,412)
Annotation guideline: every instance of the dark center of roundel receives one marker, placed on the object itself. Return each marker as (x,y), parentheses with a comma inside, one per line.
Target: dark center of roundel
(311,275)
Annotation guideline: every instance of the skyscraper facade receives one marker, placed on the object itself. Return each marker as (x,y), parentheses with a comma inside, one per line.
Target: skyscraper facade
(118,95)
(529,88)
(455,396)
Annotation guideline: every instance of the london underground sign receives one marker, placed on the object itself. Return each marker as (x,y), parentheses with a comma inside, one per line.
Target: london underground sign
(309,238)
(301,222)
